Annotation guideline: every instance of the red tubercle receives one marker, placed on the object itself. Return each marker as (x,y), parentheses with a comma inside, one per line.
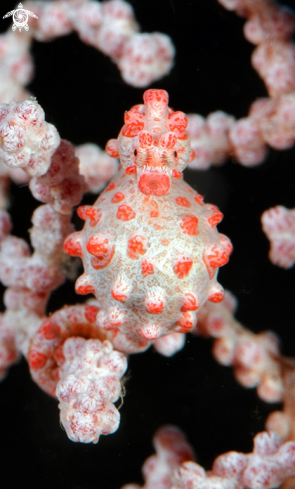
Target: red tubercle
(183,201)
(88,211)
(72,244)
(134,123)
(131,169)
(155,307)
(136,247)
(118,297)
(181,136)
(110,187)
(146,139)
(81,211)
(85,289)
(189,225)
(101,247)
(156,100)
(147,268)
(182,266)
(215,218)
(137,108)
(214,257)
(191,156)
(112,148)
(226,243)
(120,289)
(118,197)
(176,173)
(199,199)
(168,140)
(149,332)
(154,183)
(191,303)
(185,323)
(97,245)
(216,297)
(83,285)
(125,213)
(178,122)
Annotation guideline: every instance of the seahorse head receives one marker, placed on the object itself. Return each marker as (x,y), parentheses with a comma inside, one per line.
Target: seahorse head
(153,143)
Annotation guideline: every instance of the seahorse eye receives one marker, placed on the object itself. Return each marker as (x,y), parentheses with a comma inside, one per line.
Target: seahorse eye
(175,154)
(135,152)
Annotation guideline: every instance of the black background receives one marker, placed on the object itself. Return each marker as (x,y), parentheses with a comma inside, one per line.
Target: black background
(83,94)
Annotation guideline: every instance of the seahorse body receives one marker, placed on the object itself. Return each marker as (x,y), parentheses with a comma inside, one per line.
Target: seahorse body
(150,247)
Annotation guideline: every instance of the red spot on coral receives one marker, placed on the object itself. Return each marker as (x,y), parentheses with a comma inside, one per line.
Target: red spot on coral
(131,169)
(154,183)
(189,225)
(136,247)
(214,257)
(182,266)
(37,360)
(49,330)
(110,187)
(91,313)
(199,199)
(176,174)
(147,268)
(190,303)
(125,213)
(165,242)
(118,197)
(72,245)
(183,201)
(102,249)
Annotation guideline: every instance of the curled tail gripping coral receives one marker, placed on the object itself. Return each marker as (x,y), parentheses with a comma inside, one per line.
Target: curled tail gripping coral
(150,247)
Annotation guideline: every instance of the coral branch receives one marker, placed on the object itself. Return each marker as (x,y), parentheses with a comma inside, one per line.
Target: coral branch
(279,226)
